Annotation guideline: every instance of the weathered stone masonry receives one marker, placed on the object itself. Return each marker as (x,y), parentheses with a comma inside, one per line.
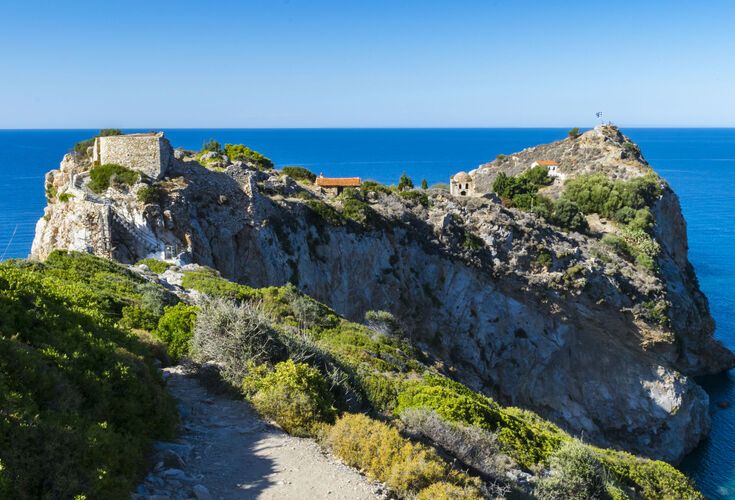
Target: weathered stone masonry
(149,154)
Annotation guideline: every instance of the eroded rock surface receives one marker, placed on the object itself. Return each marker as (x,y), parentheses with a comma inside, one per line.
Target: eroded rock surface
(574,340)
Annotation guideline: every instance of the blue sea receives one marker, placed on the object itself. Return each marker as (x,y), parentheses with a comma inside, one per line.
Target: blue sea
(698,163)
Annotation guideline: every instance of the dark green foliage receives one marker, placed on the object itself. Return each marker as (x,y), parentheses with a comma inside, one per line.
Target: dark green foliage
(80,399)
(374,187)
(354,207)
(212,146)
(326,212)
(611,198)
(300,174)
(109,174)
(520,191)
(543,258)
(405,182)
(472,242)
(176,328)
(424,184)
(567,214)
(574,133)
(149,194)
(416,197)
(240,152)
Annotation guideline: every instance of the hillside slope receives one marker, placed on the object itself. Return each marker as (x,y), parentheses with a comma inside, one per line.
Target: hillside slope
(522,310)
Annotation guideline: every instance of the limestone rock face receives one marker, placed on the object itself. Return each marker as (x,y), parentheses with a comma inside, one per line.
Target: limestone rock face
(569,337)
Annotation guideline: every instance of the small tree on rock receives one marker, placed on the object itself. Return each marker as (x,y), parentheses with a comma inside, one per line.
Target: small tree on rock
(574,133)
(405,182)
(424,184)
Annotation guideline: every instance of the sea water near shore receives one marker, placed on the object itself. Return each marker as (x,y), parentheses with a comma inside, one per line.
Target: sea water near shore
(698,163)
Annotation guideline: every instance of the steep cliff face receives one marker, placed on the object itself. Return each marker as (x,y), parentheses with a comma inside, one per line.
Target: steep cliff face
(526,312)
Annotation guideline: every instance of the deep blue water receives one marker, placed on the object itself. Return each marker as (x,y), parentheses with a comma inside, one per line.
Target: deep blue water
(698,163)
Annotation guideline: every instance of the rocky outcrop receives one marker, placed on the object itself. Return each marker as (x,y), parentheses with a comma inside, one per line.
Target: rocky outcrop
(523,311)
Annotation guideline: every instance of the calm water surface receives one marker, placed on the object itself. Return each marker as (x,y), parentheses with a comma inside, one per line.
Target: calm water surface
(698,163)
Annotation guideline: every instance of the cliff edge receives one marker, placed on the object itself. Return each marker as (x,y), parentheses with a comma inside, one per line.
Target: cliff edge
(533,314)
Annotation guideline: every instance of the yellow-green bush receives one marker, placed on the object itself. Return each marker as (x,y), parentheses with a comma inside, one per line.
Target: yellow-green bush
(380,450)
(294,395)
(449,491)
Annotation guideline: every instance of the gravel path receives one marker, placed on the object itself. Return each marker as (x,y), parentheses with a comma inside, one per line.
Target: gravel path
(226,451)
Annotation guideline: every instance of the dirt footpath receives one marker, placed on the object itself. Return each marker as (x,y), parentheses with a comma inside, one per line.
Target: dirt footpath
(225,451)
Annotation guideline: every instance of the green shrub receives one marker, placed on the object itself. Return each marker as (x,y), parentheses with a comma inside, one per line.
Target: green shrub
(65,197)
(405,182)
(520,191)
(574,133)
(379,450)
(109,174)
(300,174)
(374,187)
(472,242)
(149,194)
(566,214)
(543,258)
(415,197)
(176,329)
(598,194)
(240,152)
(80,399)
(294,395)
(326,212)
(424,184)
(155,265)
(139,317)
(576,474)
(212,146)
(51,192)
(353,207)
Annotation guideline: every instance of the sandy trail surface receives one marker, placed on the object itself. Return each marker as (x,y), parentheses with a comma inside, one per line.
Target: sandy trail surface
(225,451)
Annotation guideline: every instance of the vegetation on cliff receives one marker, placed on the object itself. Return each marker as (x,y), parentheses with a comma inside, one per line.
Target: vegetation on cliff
(374,368)
(80,398)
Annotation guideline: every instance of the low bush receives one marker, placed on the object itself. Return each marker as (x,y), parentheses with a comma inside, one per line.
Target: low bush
(294,395)
(472,242)
(574,133)
(149,194)
(415,197)
(354,207)
(212,146)
(300,174)
(424,184)
(325,212)
(65,197)
(139,317)
(233,335)
(109,174)
(176,329)
(382,322)
(380,451)
(80,398)
(475,447)
(576,474)
(448,491)
(155,265)
(240,152)
(374,187)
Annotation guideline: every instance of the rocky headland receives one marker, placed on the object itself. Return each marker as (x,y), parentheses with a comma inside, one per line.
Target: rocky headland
(516,307)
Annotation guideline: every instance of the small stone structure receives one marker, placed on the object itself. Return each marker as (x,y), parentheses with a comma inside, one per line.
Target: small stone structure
(149,154)
(462,184)
(335,185)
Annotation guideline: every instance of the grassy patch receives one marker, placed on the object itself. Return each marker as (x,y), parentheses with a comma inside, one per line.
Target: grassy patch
(103,176)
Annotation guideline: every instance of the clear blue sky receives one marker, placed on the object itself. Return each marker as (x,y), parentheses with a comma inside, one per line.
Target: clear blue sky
(156,63)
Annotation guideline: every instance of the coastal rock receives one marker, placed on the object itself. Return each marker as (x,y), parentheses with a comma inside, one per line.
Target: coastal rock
(571,340)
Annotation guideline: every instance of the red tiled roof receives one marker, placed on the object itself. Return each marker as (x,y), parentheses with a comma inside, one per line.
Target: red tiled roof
(338,181)
(546,162)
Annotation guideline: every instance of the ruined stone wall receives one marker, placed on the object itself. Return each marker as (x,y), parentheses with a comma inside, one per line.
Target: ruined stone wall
(148,154)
